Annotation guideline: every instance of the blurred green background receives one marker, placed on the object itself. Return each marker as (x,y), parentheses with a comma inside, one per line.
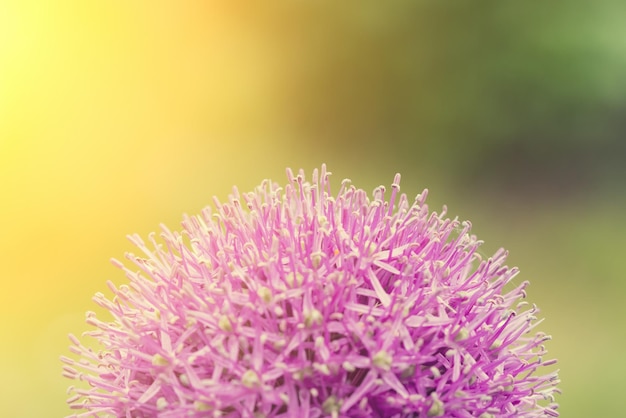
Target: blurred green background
(116,116)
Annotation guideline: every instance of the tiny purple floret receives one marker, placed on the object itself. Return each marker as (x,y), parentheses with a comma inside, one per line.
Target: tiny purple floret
(298,303)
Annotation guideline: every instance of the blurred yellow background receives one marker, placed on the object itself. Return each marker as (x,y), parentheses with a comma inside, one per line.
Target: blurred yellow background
(116,116)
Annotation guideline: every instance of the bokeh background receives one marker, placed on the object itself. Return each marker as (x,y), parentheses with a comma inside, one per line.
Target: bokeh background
(116,116)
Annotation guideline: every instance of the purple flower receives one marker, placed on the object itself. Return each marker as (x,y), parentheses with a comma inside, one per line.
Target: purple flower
(298,303)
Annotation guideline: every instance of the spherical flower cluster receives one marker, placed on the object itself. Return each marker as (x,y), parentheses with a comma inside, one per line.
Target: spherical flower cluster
(293,302)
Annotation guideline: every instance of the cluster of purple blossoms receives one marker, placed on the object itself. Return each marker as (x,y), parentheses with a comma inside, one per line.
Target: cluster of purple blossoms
(293,302)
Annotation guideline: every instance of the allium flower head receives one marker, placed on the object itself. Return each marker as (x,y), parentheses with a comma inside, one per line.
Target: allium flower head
(294,302)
